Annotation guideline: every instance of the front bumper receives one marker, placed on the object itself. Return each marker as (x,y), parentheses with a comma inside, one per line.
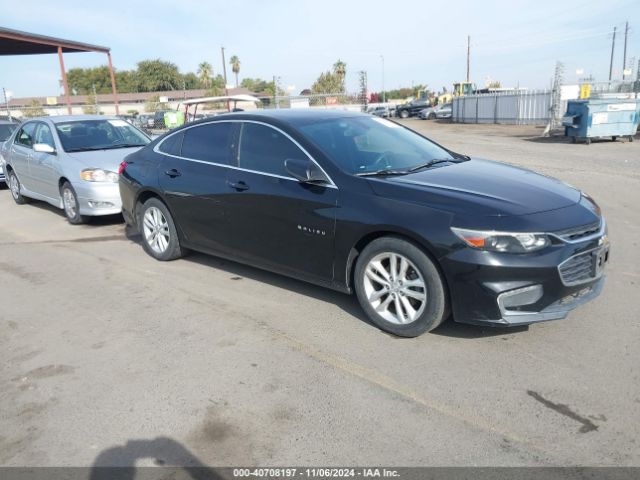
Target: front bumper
(96,198)
(500,289)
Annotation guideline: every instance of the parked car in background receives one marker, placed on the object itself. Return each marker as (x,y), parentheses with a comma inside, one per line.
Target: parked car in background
(143,121)
(6,129)
(362,204)
(70,162)
(444,111)
(439,111)
(412,108)
(427,113)
(381,111)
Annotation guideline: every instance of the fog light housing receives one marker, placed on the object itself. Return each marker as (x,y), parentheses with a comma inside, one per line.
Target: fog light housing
(99,204)
(510,302)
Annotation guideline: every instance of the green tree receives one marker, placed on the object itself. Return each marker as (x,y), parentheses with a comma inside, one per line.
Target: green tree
(154,75)
(328,82)
(340,70)
(205,71)
(235,66)
(126,81)
(190,81)
(34,109)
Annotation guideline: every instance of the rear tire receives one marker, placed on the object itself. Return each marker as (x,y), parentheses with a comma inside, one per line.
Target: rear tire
(14,186)
(71,205)
(159,233)
(400,288)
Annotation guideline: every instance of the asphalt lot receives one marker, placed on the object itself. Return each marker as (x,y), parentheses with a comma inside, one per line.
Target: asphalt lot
(109,357)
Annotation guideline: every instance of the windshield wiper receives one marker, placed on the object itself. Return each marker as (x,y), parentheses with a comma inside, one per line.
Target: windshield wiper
(85,149)
(430,163)
(126,145)
(380,173)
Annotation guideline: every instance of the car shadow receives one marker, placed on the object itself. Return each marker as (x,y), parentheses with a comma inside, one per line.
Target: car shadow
(119,462)
(348,303)
(101,220)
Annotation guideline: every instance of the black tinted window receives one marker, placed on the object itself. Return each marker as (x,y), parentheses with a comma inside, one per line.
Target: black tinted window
(171,145)
(208,142)
(25,136)
(264,149)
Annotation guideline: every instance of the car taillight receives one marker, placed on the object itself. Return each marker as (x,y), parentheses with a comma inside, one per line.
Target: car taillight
(121,168)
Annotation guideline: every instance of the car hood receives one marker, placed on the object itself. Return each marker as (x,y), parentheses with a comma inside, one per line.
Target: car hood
(479,187)
(104,159)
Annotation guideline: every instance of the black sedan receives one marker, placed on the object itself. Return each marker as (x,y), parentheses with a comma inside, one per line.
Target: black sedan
(361,204)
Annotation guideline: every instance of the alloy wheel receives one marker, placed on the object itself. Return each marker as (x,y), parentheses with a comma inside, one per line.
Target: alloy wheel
(395,288)
(70,202)
(14,186)
(156,230)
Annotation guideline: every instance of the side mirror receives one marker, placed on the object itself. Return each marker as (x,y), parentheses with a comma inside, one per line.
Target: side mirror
(44,148)
(305,171)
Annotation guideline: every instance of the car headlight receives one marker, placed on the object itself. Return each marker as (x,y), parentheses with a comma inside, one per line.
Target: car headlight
(98,175)
(502,241)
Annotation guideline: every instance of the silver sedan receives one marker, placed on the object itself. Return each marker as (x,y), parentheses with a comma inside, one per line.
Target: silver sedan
(70,162)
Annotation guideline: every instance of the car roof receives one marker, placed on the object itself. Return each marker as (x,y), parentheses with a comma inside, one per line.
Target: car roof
(292,116)
(75,118)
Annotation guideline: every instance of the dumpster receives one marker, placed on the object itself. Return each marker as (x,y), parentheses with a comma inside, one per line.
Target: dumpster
(601,117)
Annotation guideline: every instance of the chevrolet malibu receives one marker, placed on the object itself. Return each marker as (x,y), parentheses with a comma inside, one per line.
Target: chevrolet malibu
(70,162)
(361,204)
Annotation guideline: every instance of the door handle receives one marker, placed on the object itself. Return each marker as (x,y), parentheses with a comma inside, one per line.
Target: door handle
(173,173)
(240,186)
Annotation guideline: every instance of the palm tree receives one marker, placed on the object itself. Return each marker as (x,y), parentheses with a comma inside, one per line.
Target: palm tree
(340,70)
(235,66)
(205,71)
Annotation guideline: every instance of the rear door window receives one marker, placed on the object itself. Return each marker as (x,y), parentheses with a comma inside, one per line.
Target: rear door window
(210,142)
(172,144)
(25,135)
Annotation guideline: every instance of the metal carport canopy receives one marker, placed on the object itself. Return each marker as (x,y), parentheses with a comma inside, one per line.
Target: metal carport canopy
(16,42)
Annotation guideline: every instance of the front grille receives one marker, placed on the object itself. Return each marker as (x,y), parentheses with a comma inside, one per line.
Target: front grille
(573,234)
(583,267)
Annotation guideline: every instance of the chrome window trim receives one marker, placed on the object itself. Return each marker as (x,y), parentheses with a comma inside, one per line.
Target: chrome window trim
(156,149)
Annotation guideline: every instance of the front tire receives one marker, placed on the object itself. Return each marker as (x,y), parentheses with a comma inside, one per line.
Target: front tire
(404,114)
(400,288)
(159,233)
(14,186)
(71,205)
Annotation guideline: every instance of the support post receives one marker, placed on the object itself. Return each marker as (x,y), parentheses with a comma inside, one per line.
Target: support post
(64,80)
(113,84)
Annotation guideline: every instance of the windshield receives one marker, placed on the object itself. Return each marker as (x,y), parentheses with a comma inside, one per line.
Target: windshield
(5,131)
(369,144)
(84,135)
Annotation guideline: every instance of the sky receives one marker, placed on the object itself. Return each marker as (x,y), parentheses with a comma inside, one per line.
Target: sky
(421,41)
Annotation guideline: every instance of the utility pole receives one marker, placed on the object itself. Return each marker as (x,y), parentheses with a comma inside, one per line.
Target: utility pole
(613,47)
(224,72)
(6,99)
(383,94)
(624,55)
(468,54)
